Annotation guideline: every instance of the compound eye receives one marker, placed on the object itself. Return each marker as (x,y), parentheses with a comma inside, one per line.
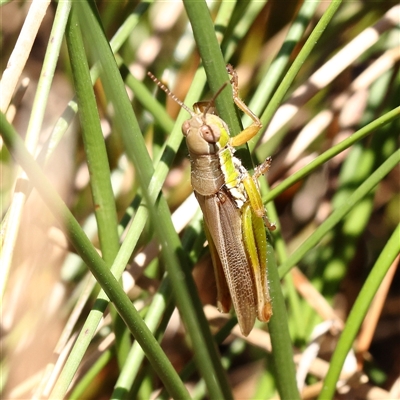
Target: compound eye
(185,128)
(209,134)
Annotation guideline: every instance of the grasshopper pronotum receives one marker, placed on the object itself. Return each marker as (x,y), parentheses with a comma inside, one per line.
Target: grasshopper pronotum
(234,214)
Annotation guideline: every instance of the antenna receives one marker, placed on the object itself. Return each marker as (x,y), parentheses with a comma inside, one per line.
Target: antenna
(170,94)
(210,104)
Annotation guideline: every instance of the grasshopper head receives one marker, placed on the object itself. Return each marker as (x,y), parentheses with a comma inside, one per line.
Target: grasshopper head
(203,132)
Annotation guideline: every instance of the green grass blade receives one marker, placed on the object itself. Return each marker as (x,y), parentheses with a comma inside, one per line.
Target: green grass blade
(282,349)
(96,155)
(213,61)
(340,212)
(358,312)
(85,249)
(333,151)
(298,62)
(280,63)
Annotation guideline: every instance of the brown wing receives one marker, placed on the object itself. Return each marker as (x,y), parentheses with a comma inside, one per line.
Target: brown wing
(224,224)
(224,302)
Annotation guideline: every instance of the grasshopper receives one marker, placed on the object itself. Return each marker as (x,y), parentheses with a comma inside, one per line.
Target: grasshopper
(234,215)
